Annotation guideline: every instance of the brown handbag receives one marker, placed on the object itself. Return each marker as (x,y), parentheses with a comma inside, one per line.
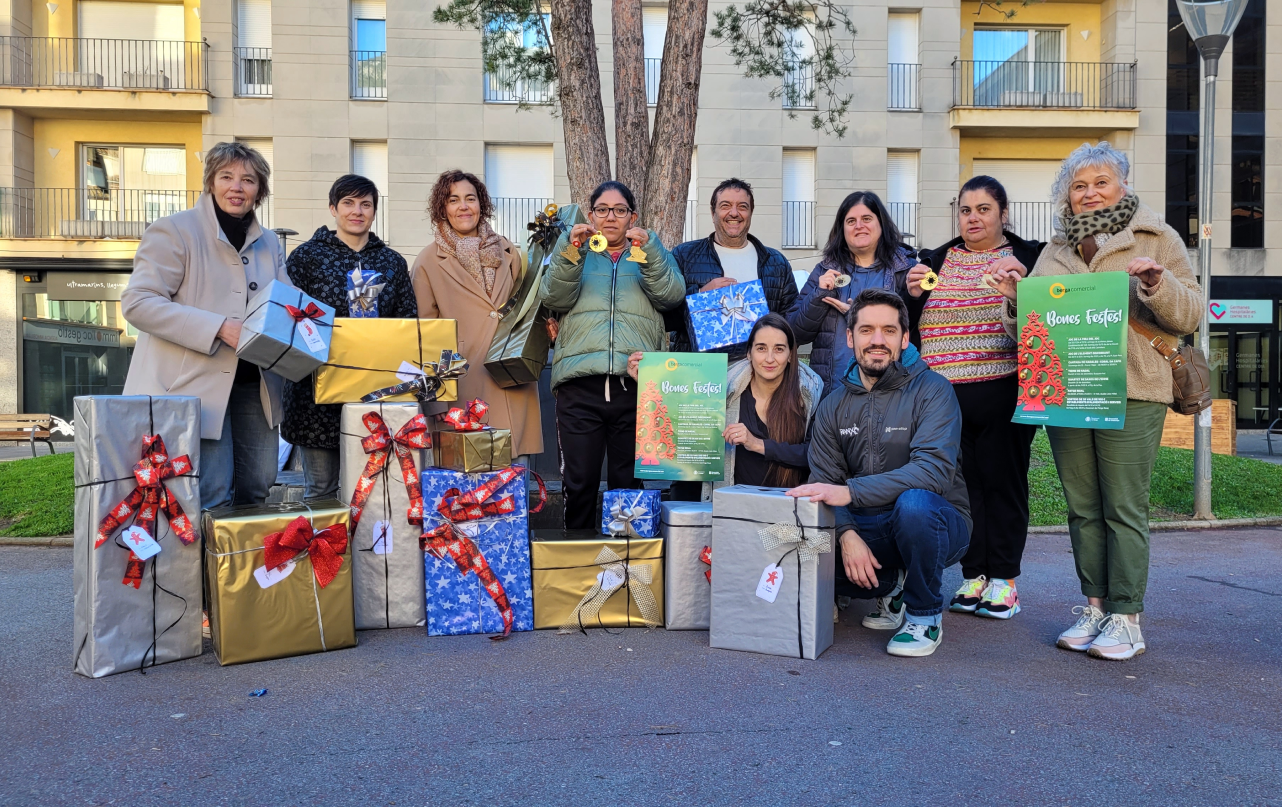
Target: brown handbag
(1190,375)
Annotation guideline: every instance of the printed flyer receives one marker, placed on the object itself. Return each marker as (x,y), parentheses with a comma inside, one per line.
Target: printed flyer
(681,413)
(1072,350)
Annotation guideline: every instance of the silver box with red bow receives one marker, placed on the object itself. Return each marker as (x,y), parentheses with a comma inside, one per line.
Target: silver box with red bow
(687,546)
(381,456)
(129,612)
(286,332)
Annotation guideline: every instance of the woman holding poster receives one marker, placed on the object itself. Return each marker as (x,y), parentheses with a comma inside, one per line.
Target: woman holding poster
(1101,226)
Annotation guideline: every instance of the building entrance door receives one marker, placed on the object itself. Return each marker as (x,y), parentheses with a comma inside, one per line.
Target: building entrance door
(1244,367)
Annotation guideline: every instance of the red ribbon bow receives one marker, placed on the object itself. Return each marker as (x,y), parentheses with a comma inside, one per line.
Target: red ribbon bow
(706,557)
(469,419)
(325,548)
(312,311)
(379,443)
(149,499)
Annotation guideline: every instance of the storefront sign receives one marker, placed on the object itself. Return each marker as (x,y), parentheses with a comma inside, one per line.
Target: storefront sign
(681,413)
(86,286)
(1072,350)
(1241,312)
(68,333)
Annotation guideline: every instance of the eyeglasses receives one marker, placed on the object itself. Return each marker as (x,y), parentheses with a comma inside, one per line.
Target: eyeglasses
(604,212)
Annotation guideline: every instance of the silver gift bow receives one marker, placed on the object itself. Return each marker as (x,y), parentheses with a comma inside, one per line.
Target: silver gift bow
(734,309)
(427,384)
(621,518)
(808,547)
(364,290)
(614,572)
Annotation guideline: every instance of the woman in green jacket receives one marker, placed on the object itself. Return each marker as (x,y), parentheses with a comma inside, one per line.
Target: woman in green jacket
(609,304)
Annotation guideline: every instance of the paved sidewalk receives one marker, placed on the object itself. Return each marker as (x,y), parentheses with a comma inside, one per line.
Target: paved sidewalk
(997,716)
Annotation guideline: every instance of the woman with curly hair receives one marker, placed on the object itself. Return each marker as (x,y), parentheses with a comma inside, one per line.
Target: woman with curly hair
(467,274)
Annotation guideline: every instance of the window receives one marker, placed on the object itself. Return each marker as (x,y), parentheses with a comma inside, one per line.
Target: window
(369,49)
(1183,71)
(654,28)
(902,53)
(1028,188)
(799,71)
(267,211)
(1181,186)
(369,159)
(798,198)
(1017,67)
(131,46)
(519,179)
(254,47)
(504,86)
(901,191)
(124,188)
(1247,228)
(692,199)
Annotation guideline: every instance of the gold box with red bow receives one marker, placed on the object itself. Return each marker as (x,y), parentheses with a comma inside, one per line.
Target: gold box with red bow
(366,355)
(583,580)
(464,443)
(280,580)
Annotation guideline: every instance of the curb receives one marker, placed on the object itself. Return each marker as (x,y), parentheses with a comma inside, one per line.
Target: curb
(1182,526)
(49,541)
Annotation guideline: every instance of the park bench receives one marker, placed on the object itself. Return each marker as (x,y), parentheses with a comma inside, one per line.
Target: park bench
(31,428)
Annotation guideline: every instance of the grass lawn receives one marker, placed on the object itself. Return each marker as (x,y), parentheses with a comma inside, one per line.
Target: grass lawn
(36,497)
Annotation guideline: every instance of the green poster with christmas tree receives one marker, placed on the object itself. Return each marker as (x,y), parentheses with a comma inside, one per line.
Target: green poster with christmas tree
(1071,350)
(681,413)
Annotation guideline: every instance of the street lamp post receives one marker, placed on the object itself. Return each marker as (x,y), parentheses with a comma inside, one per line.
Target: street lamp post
(1210,24)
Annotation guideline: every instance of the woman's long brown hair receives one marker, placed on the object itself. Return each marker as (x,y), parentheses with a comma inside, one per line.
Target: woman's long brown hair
(786,413)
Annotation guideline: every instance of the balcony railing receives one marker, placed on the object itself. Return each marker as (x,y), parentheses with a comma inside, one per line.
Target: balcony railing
(80,213)
(511,214)
(653,71)
(504,87)
(1032,221)
(253,72)
(905,216)
(798,225)
(1044,85)
(103,64)
(369,74)
(799,84)
(902,87)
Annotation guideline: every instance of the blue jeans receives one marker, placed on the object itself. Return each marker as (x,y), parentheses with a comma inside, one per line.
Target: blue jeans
(240,466)
(922,535)
(320,472)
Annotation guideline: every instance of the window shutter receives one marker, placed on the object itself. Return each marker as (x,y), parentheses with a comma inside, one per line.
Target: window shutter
(254,23)
(106,19)
(692,193)
(369,10)
(798,175)
(901,35)
(369,159)
(901,176)
(1024,180)
(654,29)
(519,172)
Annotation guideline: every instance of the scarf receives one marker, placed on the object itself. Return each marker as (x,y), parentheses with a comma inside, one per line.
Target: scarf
(1080,230)
(481,255)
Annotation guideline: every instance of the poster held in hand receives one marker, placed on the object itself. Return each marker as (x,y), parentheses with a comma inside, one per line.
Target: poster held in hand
(681,413)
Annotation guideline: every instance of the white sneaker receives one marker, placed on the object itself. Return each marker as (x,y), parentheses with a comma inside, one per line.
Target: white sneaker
(889,613)
(1084,630)
(1119,639)
(915,640)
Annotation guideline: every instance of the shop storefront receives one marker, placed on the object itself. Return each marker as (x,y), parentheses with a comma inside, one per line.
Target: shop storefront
(1245,366)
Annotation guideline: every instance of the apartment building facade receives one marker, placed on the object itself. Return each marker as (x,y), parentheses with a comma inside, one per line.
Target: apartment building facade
(107,108)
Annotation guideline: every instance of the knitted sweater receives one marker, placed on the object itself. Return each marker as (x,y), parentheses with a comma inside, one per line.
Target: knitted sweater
(962,336)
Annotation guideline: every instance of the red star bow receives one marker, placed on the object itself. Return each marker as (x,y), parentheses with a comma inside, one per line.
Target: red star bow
(312,311)
(149,499)
(325,548)
(469,419)
(706,557)
(413,435)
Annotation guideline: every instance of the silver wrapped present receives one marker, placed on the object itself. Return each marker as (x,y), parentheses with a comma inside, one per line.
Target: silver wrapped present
(381,454)
(687,536)
(133,492)
(286,332)
(772,574)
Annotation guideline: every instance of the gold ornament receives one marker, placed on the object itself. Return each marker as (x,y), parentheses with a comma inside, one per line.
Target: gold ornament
(571,253)
(636,255)
(550,210)
(930,281)
(597,243)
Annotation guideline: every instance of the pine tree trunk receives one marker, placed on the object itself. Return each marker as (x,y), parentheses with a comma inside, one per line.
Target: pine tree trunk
(631,118)
(587,155)
(668,172)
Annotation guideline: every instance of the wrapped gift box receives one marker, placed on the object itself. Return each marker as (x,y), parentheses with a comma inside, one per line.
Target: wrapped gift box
(724,317)
(131,612)
(798,622)
(473,452)
(383,448)
(637,509)
(687,533)
(583,580)
(367,354)
(477,565)
(256,613)
(286,331)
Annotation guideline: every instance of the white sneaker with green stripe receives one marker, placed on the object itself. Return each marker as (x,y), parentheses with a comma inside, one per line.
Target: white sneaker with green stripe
(889,613)
(915,639)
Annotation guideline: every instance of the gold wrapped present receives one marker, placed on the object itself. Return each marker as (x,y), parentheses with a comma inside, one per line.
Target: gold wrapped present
(474,452)
(367,354)
(584,580)
(304,606)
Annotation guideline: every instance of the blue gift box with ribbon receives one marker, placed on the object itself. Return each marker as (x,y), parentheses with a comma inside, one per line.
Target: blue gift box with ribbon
(477,558)
(630,511)
(724,317)
(286,332)
(363,288)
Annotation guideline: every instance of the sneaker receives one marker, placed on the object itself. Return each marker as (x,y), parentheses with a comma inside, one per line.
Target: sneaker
(966,600)
(1000,600)
(889,613)
(1084,630)
(1119,639)
(915,639)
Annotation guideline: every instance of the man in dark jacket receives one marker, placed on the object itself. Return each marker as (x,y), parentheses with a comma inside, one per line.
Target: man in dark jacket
(885,452)
(320,266)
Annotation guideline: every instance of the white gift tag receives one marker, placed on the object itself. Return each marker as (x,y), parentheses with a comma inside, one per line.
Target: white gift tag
(771,580)
(310,335)
(609,580)
(269,577)
(382,537)
(408,372)
(142,544)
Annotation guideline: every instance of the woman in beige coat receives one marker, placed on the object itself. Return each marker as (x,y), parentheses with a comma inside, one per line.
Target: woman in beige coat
(194,274)
(467,274)
(1103,227)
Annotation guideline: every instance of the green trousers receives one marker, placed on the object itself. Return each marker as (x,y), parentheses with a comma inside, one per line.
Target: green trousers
(1106,476)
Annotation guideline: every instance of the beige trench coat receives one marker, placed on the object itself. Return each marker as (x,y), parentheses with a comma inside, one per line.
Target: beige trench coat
(445,289)
(187,280)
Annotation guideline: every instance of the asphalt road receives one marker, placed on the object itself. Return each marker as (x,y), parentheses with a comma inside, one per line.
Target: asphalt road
(998,716)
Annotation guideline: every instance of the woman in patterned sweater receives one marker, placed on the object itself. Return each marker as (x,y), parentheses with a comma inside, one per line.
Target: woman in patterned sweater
(958,329)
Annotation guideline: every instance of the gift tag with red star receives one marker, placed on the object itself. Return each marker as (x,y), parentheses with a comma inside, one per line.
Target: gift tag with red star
(269,577)
(382,537)
(771,580)
(140,542)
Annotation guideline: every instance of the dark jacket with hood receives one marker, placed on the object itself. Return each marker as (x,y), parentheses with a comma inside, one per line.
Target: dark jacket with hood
(903,434)
(319,266)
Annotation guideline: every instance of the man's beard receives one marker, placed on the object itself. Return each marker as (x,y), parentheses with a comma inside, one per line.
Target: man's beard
(866,367)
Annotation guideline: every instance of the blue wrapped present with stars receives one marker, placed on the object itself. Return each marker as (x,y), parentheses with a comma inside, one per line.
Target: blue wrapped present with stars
(630,512)
(725,316)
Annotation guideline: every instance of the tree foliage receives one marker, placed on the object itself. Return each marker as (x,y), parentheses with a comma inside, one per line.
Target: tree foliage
(516,40)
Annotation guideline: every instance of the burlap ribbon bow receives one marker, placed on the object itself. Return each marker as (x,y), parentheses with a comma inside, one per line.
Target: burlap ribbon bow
(808,547)
(324,547)
(734,309)
(428,384)
(378,444)
(468,419)
(615,572)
